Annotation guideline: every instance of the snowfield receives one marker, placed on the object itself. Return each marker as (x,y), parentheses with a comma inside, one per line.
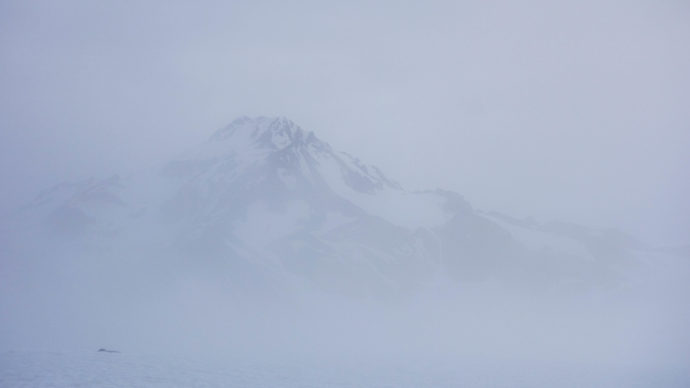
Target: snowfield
(94,369)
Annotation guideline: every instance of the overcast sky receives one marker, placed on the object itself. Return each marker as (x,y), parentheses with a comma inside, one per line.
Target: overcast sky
(572,110)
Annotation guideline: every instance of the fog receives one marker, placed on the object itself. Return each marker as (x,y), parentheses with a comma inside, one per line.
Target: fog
(577,109)
(140,214)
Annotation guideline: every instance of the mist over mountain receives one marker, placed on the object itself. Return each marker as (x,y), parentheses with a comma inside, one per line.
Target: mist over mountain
(264,202)
(260,193)
(265,243)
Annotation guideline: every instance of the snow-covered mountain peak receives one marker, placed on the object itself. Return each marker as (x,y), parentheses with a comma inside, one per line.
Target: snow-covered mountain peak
(270,132)
(280,146)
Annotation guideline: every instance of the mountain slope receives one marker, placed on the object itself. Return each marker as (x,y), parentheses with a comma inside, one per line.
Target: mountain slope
(267,202)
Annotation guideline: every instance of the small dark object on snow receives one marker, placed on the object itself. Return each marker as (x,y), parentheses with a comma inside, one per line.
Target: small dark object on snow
(107,351)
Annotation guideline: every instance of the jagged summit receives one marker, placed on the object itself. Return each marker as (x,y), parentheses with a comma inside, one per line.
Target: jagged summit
(280,143)
(276,152)
(273,132)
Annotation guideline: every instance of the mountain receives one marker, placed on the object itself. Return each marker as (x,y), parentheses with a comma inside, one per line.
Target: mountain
(264,204)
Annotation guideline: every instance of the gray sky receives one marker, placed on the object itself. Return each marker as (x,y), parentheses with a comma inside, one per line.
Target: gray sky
(574,110)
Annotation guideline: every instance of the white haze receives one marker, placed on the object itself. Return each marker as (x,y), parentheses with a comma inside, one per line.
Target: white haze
(575,108)
(573,112)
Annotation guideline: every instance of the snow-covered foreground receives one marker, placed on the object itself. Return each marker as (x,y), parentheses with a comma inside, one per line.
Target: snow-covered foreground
(94,369)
